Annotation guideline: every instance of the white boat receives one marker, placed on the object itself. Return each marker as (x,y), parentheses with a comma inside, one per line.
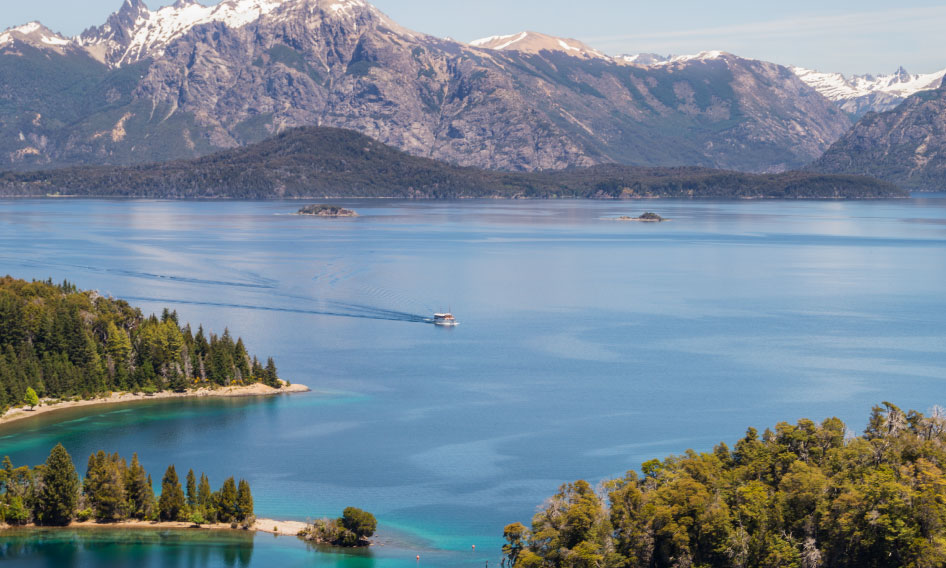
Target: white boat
(445,319)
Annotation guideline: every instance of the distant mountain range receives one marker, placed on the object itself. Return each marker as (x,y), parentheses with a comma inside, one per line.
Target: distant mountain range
(861,94)
(321,162)
(855,95)
(905,145)
(187,80)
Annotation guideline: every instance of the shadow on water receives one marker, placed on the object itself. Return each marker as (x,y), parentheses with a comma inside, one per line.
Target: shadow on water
(95,547)
(340,309)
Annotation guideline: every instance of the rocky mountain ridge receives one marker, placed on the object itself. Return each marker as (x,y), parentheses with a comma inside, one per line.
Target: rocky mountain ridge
(188,80)
(905,145)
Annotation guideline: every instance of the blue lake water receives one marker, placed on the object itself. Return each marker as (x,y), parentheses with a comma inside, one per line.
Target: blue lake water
(586,346)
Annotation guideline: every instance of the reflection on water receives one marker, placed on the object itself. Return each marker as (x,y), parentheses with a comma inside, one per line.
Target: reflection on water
(94,547)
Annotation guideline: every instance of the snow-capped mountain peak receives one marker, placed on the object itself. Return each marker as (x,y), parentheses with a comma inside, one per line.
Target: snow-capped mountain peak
(36,35)
(534,42)
(135,32)
(862,93)
(655,60)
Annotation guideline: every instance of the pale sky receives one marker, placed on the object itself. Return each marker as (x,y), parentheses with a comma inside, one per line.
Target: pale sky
(850,36)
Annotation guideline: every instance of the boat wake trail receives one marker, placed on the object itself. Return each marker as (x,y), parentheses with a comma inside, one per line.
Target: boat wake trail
(335,309)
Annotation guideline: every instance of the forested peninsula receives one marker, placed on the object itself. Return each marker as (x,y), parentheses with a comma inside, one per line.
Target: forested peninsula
(60,343)
(113,491)
(799,496)
(321,162)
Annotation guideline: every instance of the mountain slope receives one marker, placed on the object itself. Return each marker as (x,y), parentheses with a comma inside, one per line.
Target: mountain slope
(861,94)
(187,80)
(906,145)
(330,162)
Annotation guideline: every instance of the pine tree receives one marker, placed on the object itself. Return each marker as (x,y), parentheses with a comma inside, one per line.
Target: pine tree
(271,377)
(59,496)
(226,502)
(205,498)
(191,490)
(139,490)
(94,475)
(244,501)
(171,503)
(110,502)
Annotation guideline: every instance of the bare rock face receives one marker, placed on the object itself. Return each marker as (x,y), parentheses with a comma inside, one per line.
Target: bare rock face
(189,79)
(905,146)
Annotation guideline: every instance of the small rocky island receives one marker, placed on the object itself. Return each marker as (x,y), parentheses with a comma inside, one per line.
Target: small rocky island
(647,217)
(326,211)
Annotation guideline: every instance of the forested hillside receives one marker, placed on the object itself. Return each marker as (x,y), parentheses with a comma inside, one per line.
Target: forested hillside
(319,162)
(803,496)
(63,342)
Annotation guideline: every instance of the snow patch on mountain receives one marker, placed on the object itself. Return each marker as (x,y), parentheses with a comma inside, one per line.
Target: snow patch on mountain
(535,42)
(135,32)
(859,94)
(152,31)
(35,34)
(655,60)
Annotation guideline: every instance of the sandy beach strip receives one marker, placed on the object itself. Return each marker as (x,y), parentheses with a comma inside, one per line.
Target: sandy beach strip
(47,406)
(280,528)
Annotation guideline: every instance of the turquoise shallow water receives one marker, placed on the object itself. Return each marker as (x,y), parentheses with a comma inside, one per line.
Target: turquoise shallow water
(586,346)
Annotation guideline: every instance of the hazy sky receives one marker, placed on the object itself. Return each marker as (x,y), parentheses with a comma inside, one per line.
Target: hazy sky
(851,36)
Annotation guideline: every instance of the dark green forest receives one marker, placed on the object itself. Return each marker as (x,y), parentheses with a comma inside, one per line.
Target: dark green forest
(52,494)
(799,496)
(62,342)
(319,162)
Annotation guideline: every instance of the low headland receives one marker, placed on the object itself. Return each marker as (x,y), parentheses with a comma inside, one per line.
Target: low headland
(117,495)
(61,347)
(326,211)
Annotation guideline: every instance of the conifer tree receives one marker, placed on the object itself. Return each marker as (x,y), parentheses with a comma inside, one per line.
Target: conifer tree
(171,503)
(205,498)
(226,502)
(110,502)
(271,377)
(139,490)
(191,490)
(59,496)
(244,501)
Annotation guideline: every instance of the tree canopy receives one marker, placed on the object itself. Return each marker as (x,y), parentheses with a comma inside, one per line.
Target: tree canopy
(802,495)
(57,341)
(111,491)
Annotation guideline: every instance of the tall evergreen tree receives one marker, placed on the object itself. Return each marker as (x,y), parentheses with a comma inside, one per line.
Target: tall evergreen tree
(205,498)
(191,490)
(244,501)
(171,503)
(111,503)
(270,374)
(139,490)
(59,496)
(226,502)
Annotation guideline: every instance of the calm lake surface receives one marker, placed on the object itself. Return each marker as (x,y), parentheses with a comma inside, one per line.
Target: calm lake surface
(586,346)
